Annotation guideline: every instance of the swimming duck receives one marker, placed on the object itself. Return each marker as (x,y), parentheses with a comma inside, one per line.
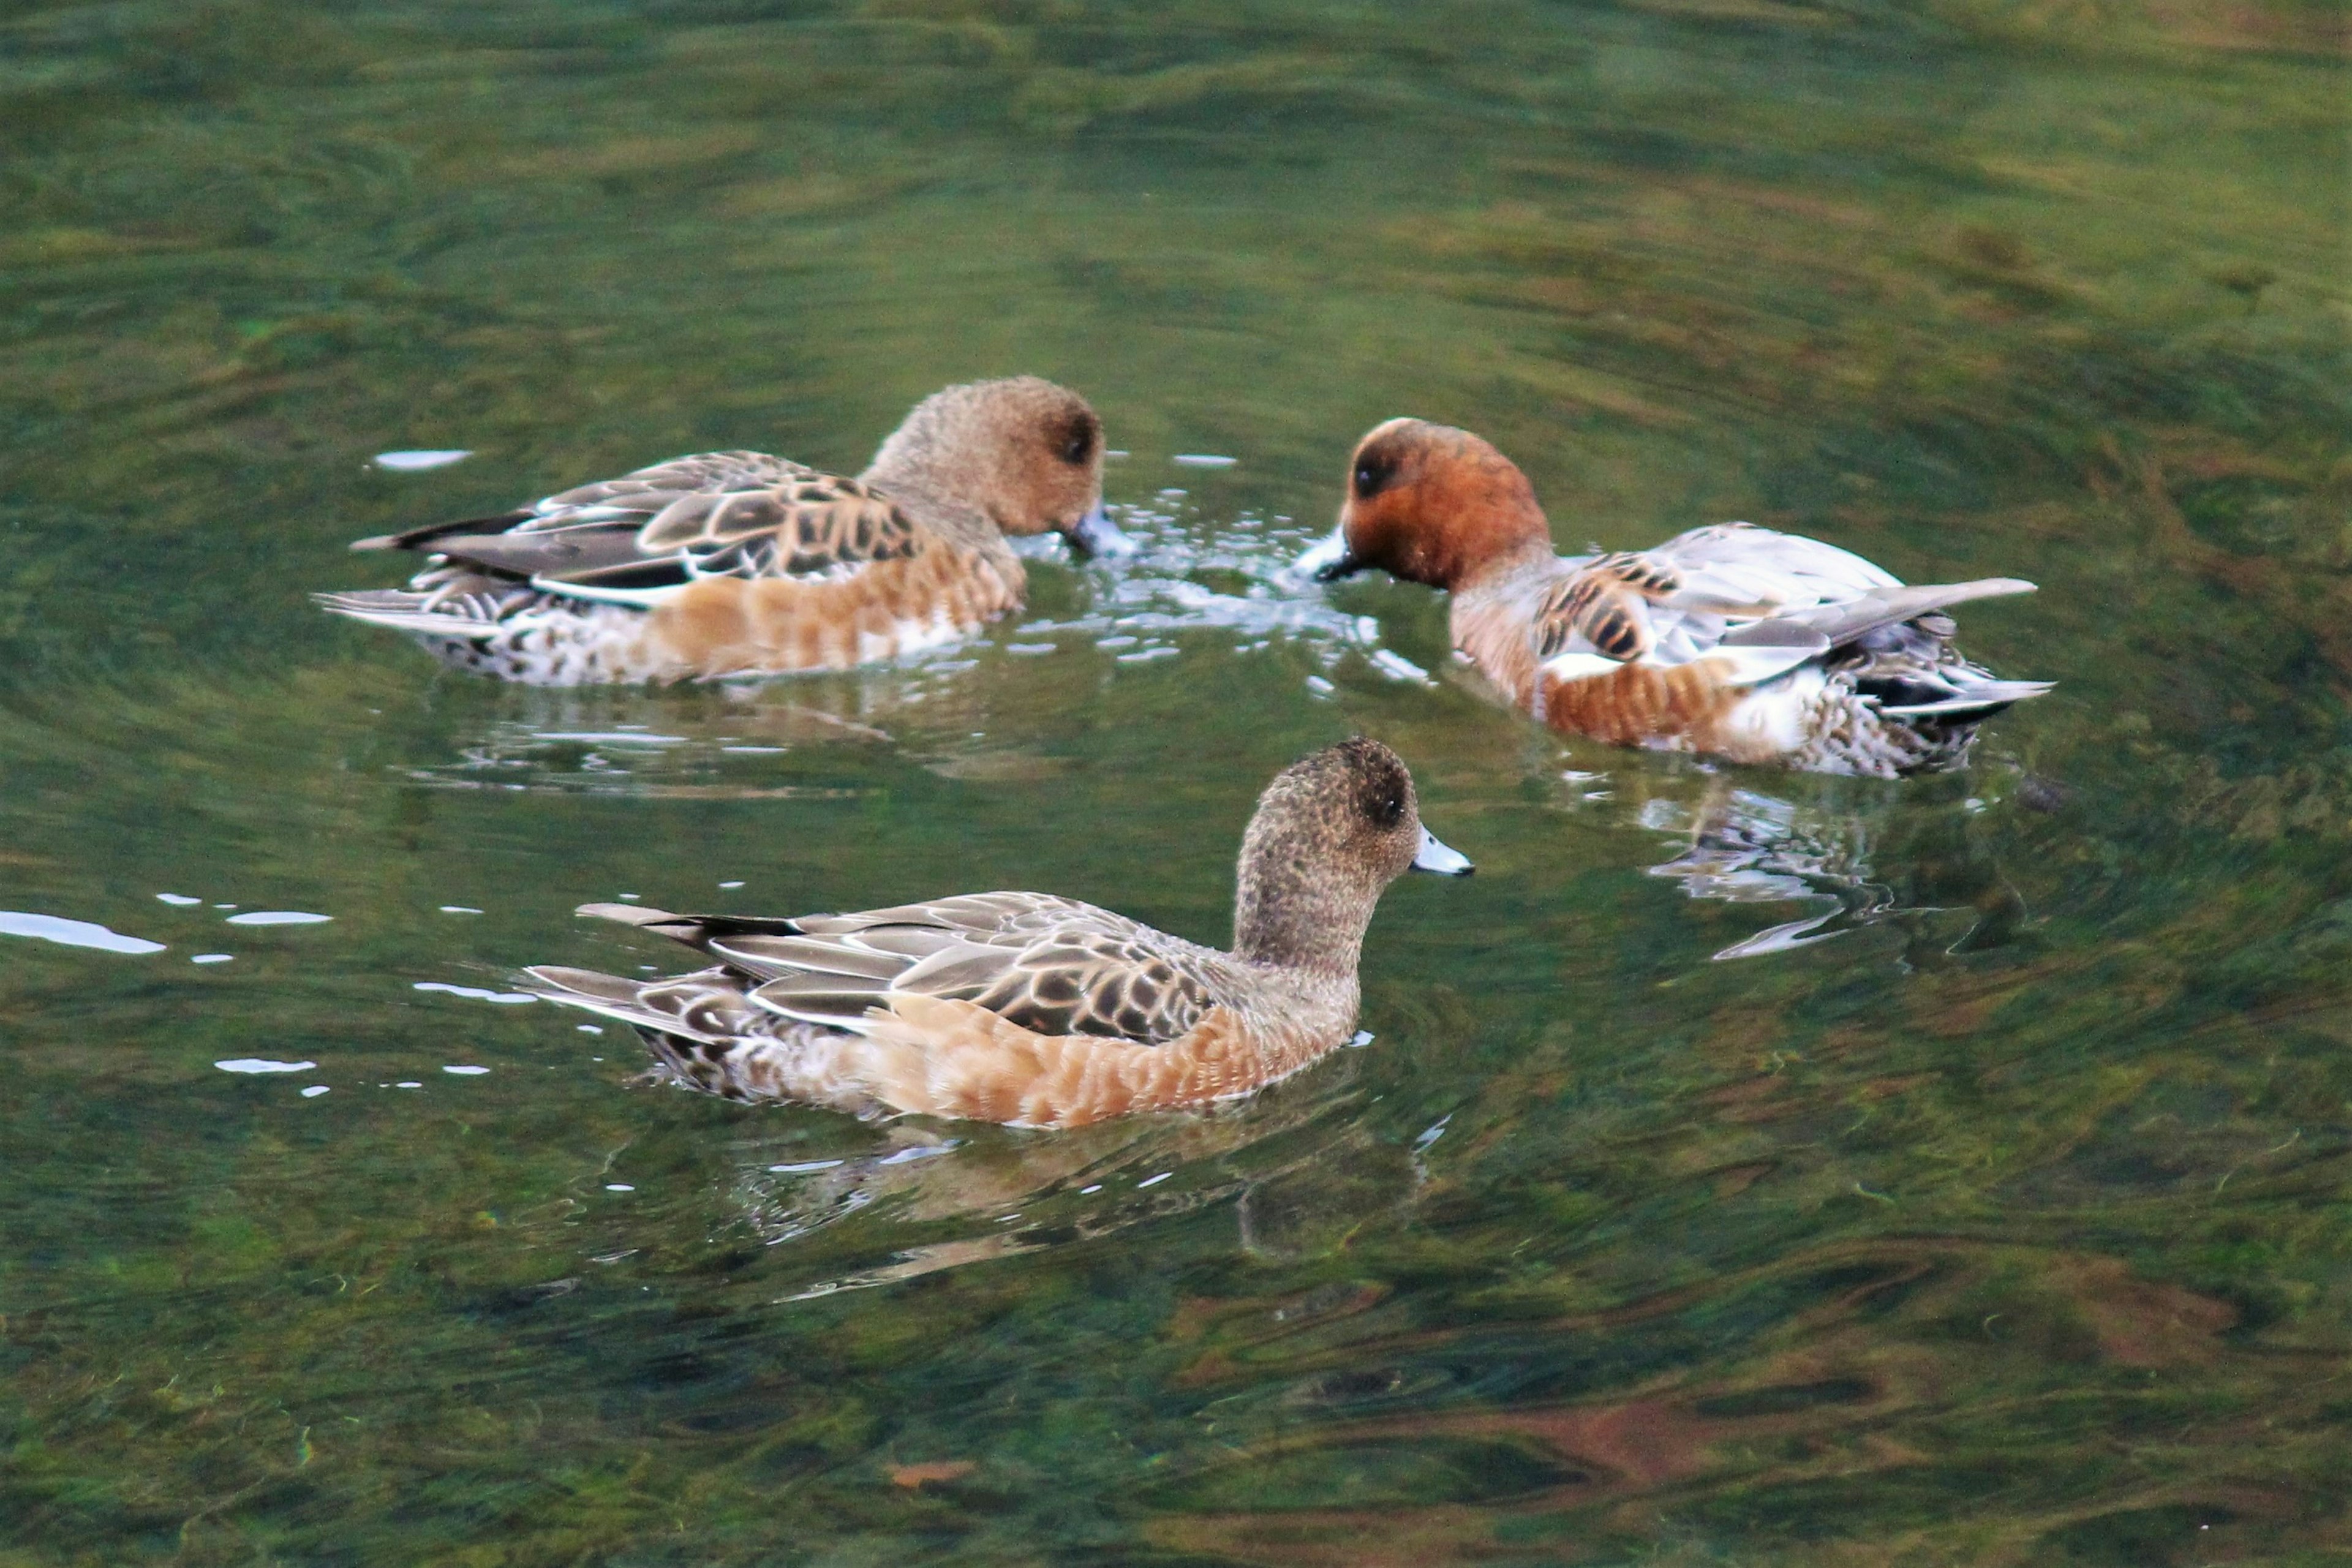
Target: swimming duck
(737,562)
(1733,640)
(1035,1010)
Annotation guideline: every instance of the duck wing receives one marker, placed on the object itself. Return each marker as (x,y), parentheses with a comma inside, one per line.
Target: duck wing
(639,538)
(1643,607)
(1758,601)
(1052,965)
(1804,582)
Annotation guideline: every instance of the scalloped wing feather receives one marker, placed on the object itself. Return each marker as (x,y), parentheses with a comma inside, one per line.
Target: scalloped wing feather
(638,539)
(1051,964)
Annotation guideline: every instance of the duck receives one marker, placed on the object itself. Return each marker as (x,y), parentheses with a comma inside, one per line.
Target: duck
(1731,640)
(734,563)
(1030,1010)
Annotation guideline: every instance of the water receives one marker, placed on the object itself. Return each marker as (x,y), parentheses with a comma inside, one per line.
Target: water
(1743,1168)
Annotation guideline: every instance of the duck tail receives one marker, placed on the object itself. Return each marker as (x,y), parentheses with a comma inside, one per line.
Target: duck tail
(705,1033)
(403,611)
(693,930)
(418,538)
(1976,700)
(611,996)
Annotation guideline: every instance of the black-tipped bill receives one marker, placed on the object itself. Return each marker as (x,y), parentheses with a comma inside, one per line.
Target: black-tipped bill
(1097,535)
(1440,857)
(1329,560)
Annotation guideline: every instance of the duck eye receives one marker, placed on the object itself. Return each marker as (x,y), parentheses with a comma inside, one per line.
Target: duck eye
(1078,447)
(1370,475)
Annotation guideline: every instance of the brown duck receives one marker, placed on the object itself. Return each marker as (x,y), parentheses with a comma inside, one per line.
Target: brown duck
(1035,1010)
(1733,640)
(737,562)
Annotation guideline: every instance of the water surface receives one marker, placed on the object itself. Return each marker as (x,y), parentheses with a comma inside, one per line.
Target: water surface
(1743,1169)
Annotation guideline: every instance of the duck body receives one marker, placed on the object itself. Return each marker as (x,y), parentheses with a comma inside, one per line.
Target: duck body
(1732,640)
(1032,1009)
(739,562)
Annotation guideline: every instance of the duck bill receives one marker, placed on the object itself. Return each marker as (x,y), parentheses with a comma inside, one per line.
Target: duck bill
(1329,560)
(1096,534)
(1436,856)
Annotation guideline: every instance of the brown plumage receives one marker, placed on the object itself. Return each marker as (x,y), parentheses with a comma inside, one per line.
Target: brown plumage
(1032,1009)
(730,563)
(1734,640)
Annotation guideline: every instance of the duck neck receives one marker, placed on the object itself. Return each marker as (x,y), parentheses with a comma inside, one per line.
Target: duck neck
(1505,565)
(910,479)
(1286,916)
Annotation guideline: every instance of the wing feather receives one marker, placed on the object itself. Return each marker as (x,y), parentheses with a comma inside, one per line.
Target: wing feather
(1050,964)
(1757,602)
(635,539)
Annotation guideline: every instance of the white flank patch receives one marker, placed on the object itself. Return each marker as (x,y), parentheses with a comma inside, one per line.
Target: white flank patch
(1777,718)
(422,458)
(279,918)
(634,598)
(262,1064)
(1567,667)
(73,933)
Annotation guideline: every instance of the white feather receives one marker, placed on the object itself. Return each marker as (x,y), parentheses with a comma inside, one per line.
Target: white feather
(636,598)
(1574,666)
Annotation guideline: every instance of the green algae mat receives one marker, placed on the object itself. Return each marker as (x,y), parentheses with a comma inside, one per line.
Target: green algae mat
(1743,1168)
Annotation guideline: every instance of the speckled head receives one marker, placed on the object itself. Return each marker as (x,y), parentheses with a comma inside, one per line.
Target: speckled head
(1332,831)
(1430,504)
(1023,451)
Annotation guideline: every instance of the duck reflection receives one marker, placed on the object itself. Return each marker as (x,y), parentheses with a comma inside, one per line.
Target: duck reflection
(1857,861)
(1197,593)
(1296,1166)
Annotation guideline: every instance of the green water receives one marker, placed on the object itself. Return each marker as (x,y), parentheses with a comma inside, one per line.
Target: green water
(1988,1203)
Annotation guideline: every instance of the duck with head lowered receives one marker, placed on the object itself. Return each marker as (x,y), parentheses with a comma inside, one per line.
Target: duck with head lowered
(1732,640)
(741,564)
(1033,1009)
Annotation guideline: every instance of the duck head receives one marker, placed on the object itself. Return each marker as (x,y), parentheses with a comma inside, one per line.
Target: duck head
(1025,452)
(1430,504)
(1332,831)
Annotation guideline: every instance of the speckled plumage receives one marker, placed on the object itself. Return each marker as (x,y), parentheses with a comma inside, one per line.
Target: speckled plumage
(1030,1008)
(735,563)
(1734,640)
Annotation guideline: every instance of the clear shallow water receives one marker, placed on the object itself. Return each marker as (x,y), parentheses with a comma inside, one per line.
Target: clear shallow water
(1744,1168)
